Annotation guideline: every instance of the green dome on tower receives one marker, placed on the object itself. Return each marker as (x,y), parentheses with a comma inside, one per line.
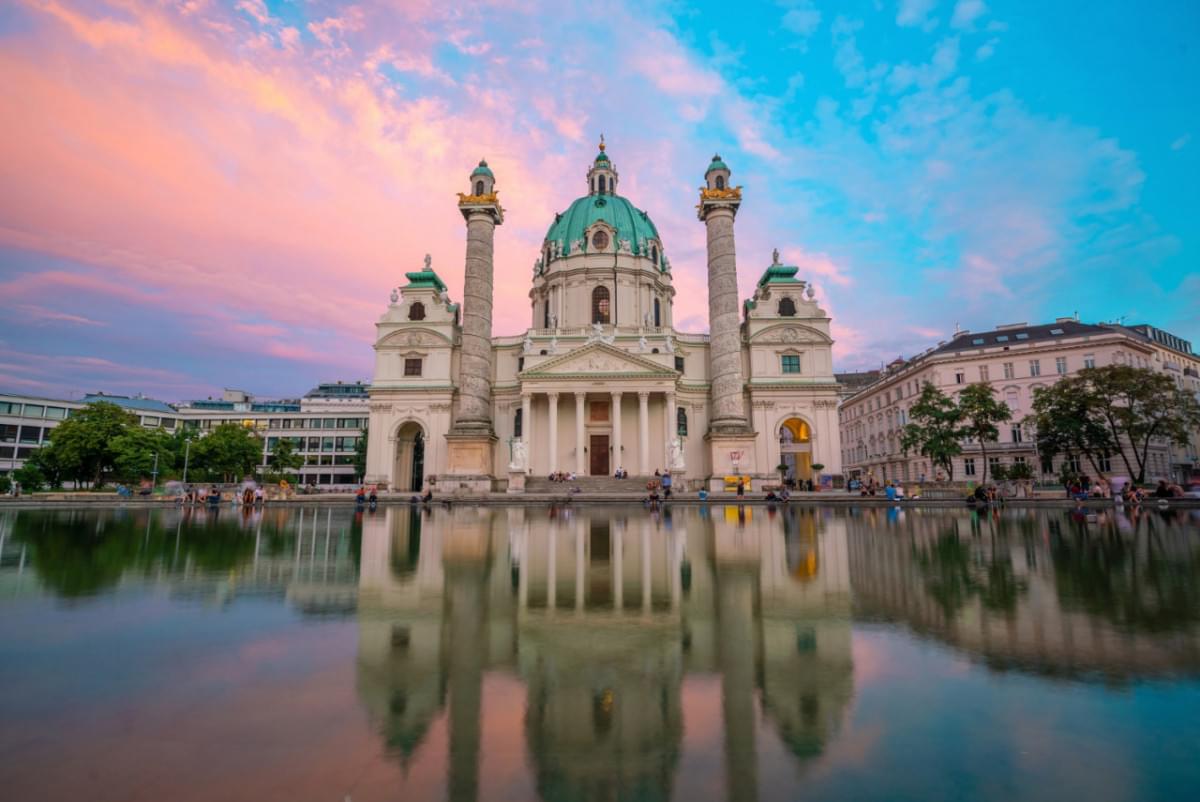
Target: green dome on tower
(716,164)
(629,222)
(483,169)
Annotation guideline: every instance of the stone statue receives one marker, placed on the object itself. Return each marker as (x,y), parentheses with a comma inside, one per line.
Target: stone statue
(643,346)
(775,256)
(676,455)
(554,345)
(520,456)
(528,343)
(428,262)
(646,318)
(577,246)
(811,292)
(553,321)
(395,295)
(624,246)
(670,344)
(537,267)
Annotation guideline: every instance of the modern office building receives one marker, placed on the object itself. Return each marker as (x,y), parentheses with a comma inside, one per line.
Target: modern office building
(324,425)
(1016,359)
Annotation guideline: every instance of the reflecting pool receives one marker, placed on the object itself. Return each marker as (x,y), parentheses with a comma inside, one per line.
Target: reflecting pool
(598,653)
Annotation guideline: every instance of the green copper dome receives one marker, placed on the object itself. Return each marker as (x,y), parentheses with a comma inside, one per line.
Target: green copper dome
(717,164)
(630,222)
(483,169)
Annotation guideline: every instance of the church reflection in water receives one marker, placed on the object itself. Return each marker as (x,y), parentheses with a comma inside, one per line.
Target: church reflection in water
(602,615)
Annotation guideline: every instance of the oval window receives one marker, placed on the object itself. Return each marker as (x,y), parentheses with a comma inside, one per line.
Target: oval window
(600,240)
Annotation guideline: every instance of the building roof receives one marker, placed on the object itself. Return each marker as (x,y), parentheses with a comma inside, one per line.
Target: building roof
(338,390)
(1019,333)
(780,274)
(483,169)
(716,164)
(139,403)
(629,222)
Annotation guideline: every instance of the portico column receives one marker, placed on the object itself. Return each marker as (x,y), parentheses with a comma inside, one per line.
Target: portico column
(527,427)
(644,431)
(553,438)
(668,428)
(618,567)
(579,466)
(616,430)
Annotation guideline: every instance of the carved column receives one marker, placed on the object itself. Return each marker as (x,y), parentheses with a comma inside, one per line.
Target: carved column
(644,432)
(616,432)
(552,398)
(580,467)
(668,427)
(527,427)
(718,206)
(474,397)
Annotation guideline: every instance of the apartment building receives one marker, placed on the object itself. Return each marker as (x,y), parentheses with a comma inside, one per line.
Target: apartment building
(1016,359)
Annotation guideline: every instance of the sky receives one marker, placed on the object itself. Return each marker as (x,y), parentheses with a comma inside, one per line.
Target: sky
(204,194)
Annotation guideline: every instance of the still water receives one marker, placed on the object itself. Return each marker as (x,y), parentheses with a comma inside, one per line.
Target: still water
(598,653)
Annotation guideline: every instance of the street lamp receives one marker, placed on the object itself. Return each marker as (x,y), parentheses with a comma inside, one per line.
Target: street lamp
(154,471)
(187,452)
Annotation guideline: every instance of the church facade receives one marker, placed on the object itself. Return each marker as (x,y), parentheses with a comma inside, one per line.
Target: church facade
(601,379)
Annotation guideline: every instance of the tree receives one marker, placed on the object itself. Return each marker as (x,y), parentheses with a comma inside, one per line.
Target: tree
(29,477)
(83,443)
(1066,421)
(360,456)
(936,430)
(1115,409)
(1019,471)
(284,459)
(229,451)
(45,464)
(134,453)
(980,413)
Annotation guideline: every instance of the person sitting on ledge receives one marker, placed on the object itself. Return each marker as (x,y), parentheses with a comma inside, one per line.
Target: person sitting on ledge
(428,497)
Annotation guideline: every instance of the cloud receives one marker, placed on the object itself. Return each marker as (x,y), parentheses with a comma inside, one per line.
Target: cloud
(1181,142)
(802,20)
(966,12)
(987,49)
(913,13)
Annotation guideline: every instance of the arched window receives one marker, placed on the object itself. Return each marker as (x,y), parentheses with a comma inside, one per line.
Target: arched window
(787,307)
(416,311)
(681,422)
(546,315)
(720,182)
(654,254)
(657,313)
(518,422)
(600,184)
(600,305)
(478,187)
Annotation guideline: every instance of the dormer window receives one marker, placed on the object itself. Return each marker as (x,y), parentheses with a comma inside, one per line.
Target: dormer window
(720,182)
(787,307)
(416,311)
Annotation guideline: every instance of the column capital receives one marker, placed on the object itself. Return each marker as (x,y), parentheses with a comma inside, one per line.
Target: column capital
(579,394)
(615,393)
(643,394)
(552,395)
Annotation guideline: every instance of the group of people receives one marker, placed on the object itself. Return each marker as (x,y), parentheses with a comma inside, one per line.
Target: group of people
(621,473)
(562,476)
(661,481)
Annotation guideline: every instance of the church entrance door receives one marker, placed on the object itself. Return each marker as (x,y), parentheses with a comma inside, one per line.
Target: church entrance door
(599,452)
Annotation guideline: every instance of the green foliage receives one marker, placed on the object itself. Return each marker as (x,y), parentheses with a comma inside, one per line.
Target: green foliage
(83,444)
(818,466)
(936,430)
(999,473)
(134,454)
(29,477)
(45,462)
(1019,471)
(981,413)
(5,484)
(1116,409)
(284,459)
(229,452)
(360,456)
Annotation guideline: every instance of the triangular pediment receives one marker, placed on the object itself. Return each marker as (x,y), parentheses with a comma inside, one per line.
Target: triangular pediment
(599,359)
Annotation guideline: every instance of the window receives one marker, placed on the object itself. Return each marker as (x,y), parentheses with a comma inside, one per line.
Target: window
(1089,360)
(31,434)
(657,313)
(1003,338)
(314,423)
(1008,370)
(1016,433)
(993,464)
(600,185)
(416,311)
(1047,463)
(600,305)
(654,254)
(329,423)
(327,443)
(983,373)
(7,408)
(520,364)
(1056,332)
(518,422)
(34,410)
(1073,463)
(412,366)
(8,433)
(787,307)
(1022,336)
(681,422)
(977,341)
(959,377)
(347,423)
(546,315)
(969,466)
(791,363)
(1035,367)
(150,420)
(679,364)
(600,238)
(478,187)
(56,413)
(720,182)
(1105,463)
(1060,365)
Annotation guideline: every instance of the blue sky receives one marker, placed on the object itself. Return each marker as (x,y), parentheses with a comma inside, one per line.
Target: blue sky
(223,193)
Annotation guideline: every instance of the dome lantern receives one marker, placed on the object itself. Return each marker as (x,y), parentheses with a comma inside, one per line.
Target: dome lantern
(482,180)
(602,175)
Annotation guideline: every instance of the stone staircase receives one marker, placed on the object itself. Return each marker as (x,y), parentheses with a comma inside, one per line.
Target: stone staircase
(589,484)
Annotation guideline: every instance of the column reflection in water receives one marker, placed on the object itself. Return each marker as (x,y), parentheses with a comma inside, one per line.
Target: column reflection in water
(448,596)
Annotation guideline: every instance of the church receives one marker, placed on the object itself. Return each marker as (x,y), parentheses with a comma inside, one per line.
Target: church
(601,380)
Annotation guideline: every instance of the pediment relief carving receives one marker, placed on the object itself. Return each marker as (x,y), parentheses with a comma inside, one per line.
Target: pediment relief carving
(414,337)
(791,335)
(599,359)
